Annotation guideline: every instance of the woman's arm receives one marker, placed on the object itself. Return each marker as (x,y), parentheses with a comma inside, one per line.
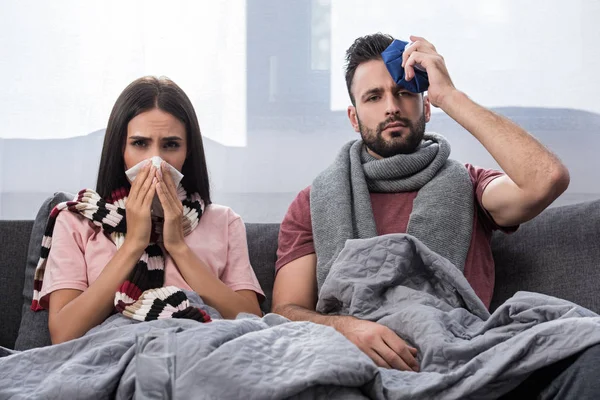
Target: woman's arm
(215,293)
(196,273)
(74,312)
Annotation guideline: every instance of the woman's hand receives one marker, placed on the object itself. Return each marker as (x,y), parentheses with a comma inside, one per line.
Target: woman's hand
(137,208)
(73,312)
(173,211)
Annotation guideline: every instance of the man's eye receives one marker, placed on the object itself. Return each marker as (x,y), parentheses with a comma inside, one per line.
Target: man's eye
(373,98)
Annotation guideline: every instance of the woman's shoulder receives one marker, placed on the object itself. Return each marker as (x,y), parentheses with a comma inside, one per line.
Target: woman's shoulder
(218,212)
(218,221)
(73,219)
(74,222)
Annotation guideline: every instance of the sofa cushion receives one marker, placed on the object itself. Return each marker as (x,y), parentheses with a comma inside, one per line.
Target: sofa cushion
(15,236)
(557,253)
(262,247)
(33,331)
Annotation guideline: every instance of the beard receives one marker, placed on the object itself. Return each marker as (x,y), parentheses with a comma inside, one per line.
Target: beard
(399,143)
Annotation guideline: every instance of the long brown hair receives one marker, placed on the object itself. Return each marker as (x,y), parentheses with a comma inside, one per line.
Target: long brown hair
(145,94)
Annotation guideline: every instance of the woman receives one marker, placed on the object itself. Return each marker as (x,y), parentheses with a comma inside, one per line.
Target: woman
(112,241)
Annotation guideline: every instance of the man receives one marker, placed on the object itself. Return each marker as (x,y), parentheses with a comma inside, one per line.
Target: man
(412,186)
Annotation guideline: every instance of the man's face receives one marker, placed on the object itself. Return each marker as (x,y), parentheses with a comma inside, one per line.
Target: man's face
(391,120)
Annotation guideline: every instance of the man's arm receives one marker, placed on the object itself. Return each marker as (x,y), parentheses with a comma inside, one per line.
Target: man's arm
(295,297)
(534,176)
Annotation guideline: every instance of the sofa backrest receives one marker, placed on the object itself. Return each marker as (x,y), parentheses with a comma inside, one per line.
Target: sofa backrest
(262,247)
(14,239)
(558,253)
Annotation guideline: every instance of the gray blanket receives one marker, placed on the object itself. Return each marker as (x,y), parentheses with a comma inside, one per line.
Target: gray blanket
(464,352)
(246,358)
(395,280)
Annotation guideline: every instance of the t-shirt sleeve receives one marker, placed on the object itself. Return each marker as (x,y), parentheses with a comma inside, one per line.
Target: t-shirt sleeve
(66,267)
(295,232)
(238,273)
(481,178)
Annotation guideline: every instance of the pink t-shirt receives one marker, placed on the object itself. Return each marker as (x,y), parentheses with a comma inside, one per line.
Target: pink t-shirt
(391,212)
(80,251)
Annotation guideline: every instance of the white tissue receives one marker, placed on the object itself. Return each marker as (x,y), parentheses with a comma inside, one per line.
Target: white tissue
(177,176)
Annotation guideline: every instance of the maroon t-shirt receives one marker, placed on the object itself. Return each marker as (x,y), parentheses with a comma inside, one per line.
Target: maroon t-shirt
(391,212)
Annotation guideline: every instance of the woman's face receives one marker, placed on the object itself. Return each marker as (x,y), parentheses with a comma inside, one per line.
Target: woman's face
(155,133)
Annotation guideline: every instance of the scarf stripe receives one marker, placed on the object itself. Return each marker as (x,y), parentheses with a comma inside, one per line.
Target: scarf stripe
(142,296)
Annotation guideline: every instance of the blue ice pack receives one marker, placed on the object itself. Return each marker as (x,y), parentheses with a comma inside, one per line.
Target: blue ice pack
(392,57)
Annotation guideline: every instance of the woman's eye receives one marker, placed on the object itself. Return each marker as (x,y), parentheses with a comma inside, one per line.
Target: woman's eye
(172,145)
(138,143)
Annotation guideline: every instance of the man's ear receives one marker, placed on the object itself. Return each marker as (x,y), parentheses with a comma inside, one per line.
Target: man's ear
(426,108)
(353,118)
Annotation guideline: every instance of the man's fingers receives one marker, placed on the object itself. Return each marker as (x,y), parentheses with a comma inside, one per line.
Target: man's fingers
(399,347)
(409,359)
(422,46)
(422,41)
(378,359)
(418,44)
(409,71)
(391,358)
(415,58)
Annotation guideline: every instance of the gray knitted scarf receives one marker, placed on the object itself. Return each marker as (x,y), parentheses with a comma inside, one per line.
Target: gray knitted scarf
(442,214)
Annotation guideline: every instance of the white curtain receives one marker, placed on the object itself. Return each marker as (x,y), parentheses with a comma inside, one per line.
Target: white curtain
(266,79)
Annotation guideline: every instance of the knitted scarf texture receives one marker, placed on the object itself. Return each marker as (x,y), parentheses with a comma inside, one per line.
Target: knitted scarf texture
(442,214)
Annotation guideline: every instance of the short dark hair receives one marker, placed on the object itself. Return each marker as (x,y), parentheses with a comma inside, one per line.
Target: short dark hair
(365,48)
(145,94)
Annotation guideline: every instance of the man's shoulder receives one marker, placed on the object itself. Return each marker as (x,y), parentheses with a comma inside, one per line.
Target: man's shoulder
(299,209)
(479,174)
(303,197)
(305,192)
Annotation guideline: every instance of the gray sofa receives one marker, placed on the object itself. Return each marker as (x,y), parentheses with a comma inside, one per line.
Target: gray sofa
(558,254)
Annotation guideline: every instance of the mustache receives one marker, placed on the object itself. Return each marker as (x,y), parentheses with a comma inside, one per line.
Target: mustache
(388,121)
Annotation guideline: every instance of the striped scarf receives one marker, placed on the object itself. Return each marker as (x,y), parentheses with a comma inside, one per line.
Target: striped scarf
(142,296)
